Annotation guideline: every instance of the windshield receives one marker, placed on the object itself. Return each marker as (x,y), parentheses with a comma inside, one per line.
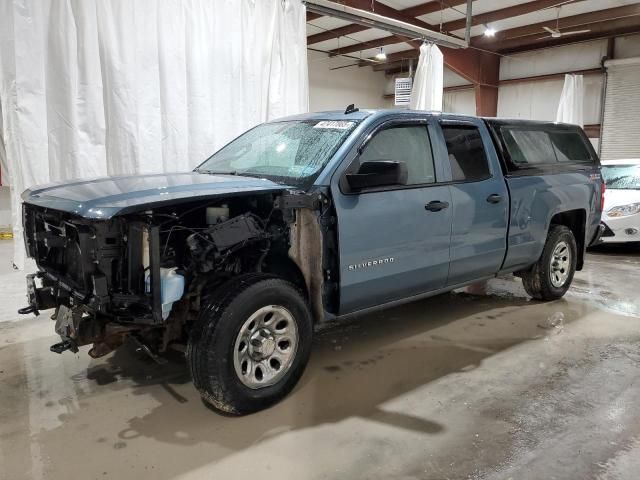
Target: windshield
(289,152)
(622,177)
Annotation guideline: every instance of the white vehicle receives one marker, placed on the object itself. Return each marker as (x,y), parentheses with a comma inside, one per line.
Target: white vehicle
(621,214)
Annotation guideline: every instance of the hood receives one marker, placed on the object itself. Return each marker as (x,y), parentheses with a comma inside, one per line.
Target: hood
(111,196)
(616,197)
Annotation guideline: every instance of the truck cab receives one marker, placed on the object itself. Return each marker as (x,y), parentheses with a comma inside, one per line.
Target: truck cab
(468,209)
(303,219)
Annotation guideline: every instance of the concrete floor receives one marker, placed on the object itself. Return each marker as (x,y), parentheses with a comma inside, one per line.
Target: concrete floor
(479,386)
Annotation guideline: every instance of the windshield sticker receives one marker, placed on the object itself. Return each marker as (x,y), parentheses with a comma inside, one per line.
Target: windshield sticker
(337,124)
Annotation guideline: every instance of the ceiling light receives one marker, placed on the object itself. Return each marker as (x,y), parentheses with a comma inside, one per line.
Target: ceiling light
(489,31)
(381,55)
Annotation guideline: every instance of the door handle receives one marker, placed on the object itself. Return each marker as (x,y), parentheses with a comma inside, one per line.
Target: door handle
(436,206)
(494,198)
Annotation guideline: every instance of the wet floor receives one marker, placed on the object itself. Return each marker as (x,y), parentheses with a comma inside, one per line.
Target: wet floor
(481,385)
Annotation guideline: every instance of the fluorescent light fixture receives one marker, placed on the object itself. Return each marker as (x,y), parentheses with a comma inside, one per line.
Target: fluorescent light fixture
(489,31)
(381,55)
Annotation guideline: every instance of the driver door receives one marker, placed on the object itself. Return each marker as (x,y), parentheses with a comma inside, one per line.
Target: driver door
(393,240)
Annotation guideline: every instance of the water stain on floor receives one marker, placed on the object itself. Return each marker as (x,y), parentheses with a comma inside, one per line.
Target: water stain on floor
(484,386)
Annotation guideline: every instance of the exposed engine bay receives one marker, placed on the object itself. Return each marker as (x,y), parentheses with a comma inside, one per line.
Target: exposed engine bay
(141,275)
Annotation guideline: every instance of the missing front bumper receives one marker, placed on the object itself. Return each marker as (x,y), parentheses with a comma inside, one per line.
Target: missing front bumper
(37,298)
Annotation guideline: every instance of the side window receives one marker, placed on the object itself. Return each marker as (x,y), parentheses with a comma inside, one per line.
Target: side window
(544,147)
(570,147)
(466,153)
(528,147)
(409,144)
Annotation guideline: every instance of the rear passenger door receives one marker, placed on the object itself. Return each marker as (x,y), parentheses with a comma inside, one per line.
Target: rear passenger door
(393,240)
(480,202)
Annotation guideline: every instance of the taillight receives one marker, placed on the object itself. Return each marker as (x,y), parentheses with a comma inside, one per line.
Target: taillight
(602,190)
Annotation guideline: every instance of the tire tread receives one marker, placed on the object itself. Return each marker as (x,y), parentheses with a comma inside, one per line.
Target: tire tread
(200,351)
(536,281)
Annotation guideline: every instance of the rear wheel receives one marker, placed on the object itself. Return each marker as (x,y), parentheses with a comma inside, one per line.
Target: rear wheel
(251,343)
(551,276)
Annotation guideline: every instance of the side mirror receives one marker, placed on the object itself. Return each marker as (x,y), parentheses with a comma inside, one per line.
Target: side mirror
(378,174)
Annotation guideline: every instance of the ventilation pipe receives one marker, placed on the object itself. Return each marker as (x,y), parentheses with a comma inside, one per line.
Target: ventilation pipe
(467,31)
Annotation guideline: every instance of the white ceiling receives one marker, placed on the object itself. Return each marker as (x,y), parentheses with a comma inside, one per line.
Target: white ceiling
(479,6)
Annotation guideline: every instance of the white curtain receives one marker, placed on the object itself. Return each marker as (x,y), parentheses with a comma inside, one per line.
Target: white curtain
(426,93)
(571,101)
(460,101)
(104,87)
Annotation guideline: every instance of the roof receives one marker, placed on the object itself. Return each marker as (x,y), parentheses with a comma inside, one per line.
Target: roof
(329,115)
(372,114)
(524,122)
(380,113)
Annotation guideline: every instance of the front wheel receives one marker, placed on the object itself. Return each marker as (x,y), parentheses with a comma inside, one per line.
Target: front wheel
(251,343)
(550,277)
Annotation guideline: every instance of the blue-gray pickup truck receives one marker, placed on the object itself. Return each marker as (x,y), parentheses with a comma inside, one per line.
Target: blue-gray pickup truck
(301,220)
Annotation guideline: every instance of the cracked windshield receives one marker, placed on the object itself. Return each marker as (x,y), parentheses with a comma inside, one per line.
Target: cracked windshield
(290,152)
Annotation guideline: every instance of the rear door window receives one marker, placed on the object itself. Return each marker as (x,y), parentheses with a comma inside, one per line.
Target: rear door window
(466,153)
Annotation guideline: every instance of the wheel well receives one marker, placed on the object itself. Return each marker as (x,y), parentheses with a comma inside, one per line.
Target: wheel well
(286,269)
(575,220)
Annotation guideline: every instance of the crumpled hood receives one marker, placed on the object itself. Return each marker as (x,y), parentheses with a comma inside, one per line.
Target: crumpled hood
(110,196)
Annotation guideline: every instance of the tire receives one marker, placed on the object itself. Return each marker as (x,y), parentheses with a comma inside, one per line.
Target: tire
(226,372)
(544,281)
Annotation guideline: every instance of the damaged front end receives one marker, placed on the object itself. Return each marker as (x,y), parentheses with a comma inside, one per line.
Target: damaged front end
(141,275)
(92,272)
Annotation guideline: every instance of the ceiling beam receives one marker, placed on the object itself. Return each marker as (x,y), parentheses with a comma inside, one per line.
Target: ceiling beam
(384,10)
(406,15)
(430,7)
(514,11)
(335,33)
(403,55)
(503,13)
(483,18)
(385,67)
(612,21)
(395,70)
(573,21)
(378,42)
(479,68)
(606,29)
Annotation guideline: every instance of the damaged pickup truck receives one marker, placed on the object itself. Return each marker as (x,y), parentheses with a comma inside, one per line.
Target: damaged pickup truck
(302,220)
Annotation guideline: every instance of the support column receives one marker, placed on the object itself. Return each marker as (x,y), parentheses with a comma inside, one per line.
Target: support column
(480,68)
(486,100)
